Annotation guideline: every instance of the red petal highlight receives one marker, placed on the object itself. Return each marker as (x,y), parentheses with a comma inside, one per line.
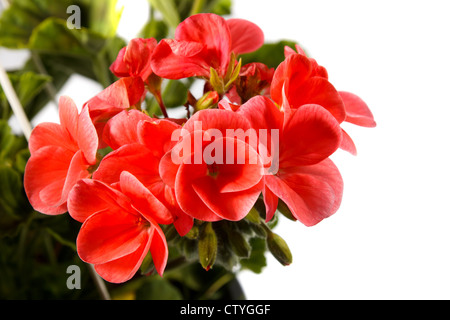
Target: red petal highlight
(91,196)
(109,235)
(122,128)
(310,135)
(143,200)
(124,268)
(134,158)
(174,59)
(245,36)
(357,110)
(212,31)
(312,193)
(87,137)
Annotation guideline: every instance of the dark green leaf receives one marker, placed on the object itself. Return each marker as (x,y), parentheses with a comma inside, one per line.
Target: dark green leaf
(11,190)
(23,16)
(257,260)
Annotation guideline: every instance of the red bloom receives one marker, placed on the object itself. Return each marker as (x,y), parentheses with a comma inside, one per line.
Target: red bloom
(211,183)
(300,80)
(139,142)
(134,59)
(307,181)
(203,41)
(61,154)
(120,226)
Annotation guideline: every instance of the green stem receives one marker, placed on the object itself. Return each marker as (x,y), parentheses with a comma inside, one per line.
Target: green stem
(197,7)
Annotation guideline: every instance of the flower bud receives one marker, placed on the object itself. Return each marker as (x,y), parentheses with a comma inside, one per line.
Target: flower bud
(207,246)
(208,100)
(279,249)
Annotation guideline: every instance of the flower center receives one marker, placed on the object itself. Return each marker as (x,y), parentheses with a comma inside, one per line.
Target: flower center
(212,170)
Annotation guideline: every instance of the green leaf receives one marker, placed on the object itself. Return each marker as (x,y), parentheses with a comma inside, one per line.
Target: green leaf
(11,190)
(104,18)
(257,260)
(23,16)
(154,29)
(220,7)
(168,10)
(271,54)
(6,140)
(53,36)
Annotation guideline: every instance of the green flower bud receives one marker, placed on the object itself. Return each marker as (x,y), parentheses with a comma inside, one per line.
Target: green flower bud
(208,100)
(279,249)
(207,246)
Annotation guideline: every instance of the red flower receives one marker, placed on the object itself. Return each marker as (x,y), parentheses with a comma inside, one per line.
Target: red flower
(120,226)
(61,154)
(297,78)
(307,180)
(204,41)
(300,80)
(134,59)
(139,142)
(211,183)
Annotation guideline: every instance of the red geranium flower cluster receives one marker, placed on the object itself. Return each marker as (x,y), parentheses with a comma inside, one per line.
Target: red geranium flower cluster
(256,132)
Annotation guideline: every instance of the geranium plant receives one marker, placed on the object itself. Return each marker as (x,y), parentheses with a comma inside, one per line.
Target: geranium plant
(152,190)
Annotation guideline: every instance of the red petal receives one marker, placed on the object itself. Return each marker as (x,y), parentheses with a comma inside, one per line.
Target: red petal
(316,90)
(143,200)
(232,206)
(357,110)
(312,193)
(78,169)
(217,119)
(87,137)
(159,250)
(109,235)
(174,59)
(48,134)
(310,135)
(134,158)
(186,196)
(119,67)
(124,268)
(68,115)
(91,196)
(245,36)
(159,135)
(212,31)
(45,176)
(347,143)
(122,128)
(271,203)
(262,113)
(168,169)
(296,68)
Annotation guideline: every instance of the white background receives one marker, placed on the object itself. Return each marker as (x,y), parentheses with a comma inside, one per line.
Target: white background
(390,238)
